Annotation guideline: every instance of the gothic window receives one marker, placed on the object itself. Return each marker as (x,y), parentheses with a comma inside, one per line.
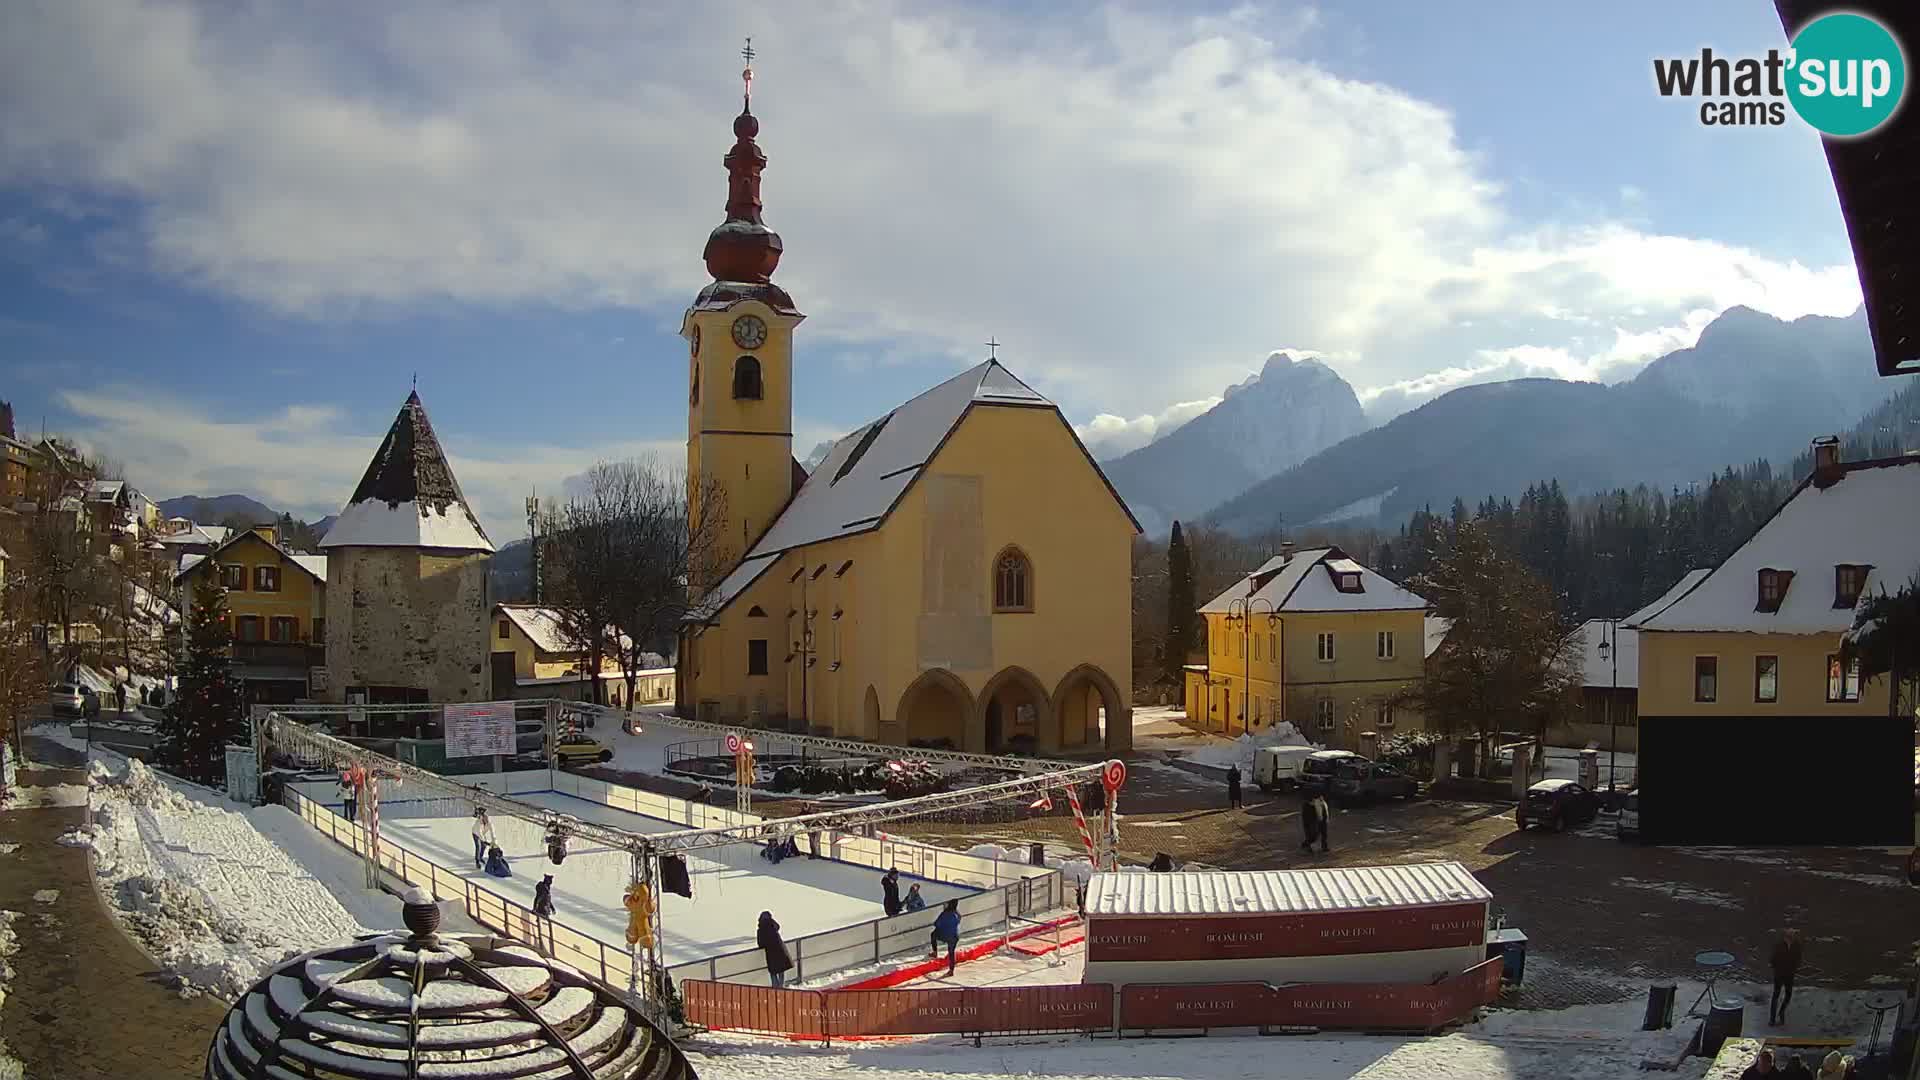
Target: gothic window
(1012,582)
(746,379)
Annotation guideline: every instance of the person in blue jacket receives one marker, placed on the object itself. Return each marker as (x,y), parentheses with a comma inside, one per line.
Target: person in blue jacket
(946,928)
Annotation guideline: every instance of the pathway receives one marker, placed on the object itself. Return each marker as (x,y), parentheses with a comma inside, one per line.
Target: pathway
(85,1003)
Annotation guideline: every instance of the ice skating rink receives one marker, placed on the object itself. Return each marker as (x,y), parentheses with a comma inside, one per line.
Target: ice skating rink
(731,885)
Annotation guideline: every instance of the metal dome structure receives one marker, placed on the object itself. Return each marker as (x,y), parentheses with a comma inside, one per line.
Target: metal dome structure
(419,1006)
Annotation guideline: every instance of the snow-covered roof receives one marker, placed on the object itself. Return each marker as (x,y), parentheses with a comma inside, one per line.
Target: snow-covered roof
(197,534)
(105,490)
(1625,653)
(408,496)
(1687,581)
(1868,516)
(543,627)
(865,474)
(316,565)
(312,564)
(1283,891)
(1437,628)
(1304,582)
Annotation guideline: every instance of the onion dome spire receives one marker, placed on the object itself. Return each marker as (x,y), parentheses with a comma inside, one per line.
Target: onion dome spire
(742,248)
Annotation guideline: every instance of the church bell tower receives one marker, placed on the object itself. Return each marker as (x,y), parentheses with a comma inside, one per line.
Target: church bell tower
(739,334)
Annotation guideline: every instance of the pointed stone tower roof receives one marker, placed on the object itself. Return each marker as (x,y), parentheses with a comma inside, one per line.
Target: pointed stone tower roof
(408,497)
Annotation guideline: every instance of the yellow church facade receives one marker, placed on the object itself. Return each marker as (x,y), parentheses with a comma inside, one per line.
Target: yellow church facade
(953,574)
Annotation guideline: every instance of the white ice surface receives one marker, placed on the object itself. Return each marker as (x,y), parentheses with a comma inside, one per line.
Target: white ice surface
(731,885)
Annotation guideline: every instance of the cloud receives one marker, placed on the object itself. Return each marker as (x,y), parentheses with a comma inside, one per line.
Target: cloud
(1108,436)
(1088,186)
(301,459)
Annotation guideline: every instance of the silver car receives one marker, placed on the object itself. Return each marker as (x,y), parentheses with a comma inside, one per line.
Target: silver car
(65,699)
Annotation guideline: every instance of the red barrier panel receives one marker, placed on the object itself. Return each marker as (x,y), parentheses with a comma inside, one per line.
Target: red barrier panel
(1327,933)
(858,1013)
(1046,1008)
(734,1007)
(902,1012)
(1322,1005)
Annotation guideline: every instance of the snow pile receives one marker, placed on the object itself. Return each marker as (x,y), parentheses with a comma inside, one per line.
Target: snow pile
(991,851)
(1079,871)
(1241,751)
(10,1067)
(214,901)
(33,798)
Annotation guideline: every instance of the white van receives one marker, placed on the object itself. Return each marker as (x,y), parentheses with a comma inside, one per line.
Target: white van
(1278,767)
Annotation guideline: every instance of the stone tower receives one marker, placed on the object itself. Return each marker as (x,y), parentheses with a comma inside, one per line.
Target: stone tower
(407,595)
(739,333)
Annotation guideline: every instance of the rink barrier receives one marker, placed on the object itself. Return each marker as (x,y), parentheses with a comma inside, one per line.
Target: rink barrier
(838,1014)
(876,941)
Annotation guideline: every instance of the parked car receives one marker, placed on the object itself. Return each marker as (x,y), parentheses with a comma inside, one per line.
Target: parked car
(1627,825)
(65,699)
(578,749)
(1277,768)
(1557,804)
(1360,780)
(1317,770)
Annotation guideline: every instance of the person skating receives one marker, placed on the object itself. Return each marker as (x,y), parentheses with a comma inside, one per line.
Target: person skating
(946,930)
(890,892)
(1323,813)
(482,837)
(1796,1069)
(349,798)
(1233,786)
(1786,964)
(497,862)
(543,906)
(1309,822)
(914,901)
(1762,1066)
(778,962)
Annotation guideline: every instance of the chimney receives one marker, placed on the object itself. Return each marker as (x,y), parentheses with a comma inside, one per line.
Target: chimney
(1826,461)
(264,532)
(6,419)
(1286,550)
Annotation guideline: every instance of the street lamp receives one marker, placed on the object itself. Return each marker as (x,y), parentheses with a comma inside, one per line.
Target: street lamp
(1241,609)
(1610,652)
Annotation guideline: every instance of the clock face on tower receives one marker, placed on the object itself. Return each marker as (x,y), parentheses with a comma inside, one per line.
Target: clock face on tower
(749,332)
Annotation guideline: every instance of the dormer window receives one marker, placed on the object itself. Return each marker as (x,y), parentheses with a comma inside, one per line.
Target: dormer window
(1848,581)
(1349,583)
(1346,575)
(1773,589)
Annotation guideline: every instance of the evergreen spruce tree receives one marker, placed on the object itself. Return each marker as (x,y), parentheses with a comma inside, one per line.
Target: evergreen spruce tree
(1181,606)
(207,715)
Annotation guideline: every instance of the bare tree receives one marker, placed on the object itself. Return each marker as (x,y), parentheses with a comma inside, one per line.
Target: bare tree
(23,656)
(620,554)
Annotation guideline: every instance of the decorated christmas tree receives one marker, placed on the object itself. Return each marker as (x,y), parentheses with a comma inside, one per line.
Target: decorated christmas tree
(207,715)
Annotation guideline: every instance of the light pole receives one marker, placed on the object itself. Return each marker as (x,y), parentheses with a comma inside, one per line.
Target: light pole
(1242,609)
(1610,652)
(533,543)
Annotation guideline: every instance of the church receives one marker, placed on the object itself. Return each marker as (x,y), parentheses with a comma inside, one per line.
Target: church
(955,573)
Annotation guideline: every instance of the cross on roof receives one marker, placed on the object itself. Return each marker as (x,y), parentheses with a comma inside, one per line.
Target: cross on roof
(993,348)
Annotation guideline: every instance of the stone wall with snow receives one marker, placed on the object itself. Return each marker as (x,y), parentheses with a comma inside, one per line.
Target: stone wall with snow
(401,616)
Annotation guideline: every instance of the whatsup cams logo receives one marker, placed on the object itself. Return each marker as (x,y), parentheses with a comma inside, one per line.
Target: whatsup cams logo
(1844,74)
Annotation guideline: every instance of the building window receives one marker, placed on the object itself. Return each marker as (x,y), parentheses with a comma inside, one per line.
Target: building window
(757,656)
(1383,645)
(1843,680)
(1848,580)
(1323,713)
(1256,648)
(746,379)
(1323,646)
(1383,715)
(266,579)
(502,631)
(1256,712)
(283,629)
(1012,582)
(1240,646)
(1773,589)
(1706,678)
(319,631)
(1347,583)
(1273,709)
(1273,646)
(233,577)
(1766,678)
(247,628)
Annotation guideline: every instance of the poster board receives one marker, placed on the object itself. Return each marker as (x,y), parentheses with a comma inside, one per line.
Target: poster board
(479,730)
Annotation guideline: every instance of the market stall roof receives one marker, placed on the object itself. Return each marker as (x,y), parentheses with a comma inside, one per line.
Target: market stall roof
(1282,892)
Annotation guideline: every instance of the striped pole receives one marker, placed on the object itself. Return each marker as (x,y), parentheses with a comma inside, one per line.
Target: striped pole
(1080,822)
(372,811)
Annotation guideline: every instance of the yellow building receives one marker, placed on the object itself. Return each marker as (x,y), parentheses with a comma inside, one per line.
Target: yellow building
(1759,635)
(1314,639)
(276,609)
(954,573)
(533,658)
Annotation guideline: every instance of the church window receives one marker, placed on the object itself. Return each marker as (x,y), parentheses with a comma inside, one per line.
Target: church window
(746,379)
(757,656)
(756,612)
(1012,581)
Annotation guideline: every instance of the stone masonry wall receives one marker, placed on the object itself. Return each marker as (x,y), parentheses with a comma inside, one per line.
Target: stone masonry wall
(404,617)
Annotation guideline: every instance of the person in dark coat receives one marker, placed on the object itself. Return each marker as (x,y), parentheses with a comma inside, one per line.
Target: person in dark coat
(497,862)
(778,962)
(1797,1068)
(1762,1066)
(946,930)
(1309,822)
(543,908)
(1233,787)
(1786,964)
(890,892)
(914,901)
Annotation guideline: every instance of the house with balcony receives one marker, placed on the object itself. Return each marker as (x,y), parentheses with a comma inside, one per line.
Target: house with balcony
(1759,634)
(534,657)
(1315,639)
(276,609)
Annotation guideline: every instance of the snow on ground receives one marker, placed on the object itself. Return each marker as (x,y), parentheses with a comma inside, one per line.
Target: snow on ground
(731,885)
(32,798)
(10,1067)
(1241,751)
(212,899)
(344,874)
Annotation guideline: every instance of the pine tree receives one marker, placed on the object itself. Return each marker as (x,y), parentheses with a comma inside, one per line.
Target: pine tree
(208,715)
(1181,605)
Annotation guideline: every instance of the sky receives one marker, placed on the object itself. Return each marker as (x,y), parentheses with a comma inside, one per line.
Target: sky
(233,235)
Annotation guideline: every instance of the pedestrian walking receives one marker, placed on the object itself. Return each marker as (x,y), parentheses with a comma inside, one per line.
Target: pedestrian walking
(1323,813)
(1233,786)
(543,907)
(914,901)
(349,798)
(778,962)
(482,837)
(946,930)
(1786,964)
(1309,821)
(890,892)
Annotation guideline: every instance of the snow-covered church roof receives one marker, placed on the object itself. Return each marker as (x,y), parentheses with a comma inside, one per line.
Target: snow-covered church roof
(865,474)
(1289,583)
(1868,515)
(408,497)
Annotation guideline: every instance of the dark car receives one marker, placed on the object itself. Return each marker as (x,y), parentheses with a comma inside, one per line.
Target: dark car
(1316,773)
(1359,780)
(1557,804)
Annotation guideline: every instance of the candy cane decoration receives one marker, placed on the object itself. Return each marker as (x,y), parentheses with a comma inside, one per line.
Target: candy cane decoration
(1080,822)
(373,824)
